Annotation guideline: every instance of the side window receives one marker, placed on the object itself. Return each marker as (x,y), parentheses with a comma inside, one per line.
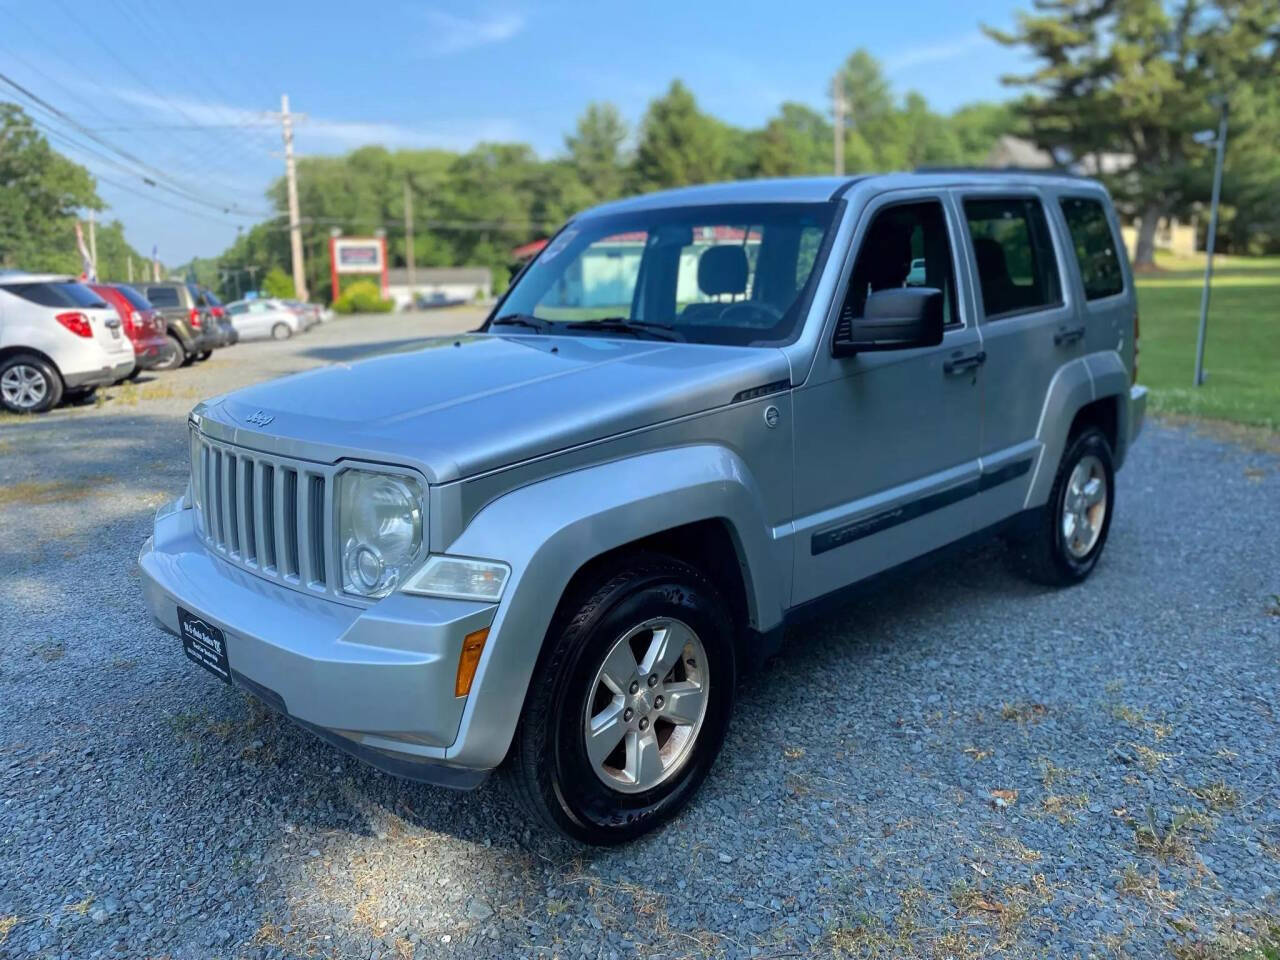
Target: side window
(1014,254)
(237,308)
(162,296)
(906,246)
(1095,247)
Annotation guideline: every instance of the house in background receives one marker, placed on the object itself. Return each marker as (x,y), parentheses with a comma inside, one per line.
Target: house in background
(1174,236)
(449,283)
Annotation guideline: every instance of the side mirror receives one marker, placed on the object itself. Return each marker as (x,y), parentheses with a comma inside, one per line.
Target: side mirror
(896,319)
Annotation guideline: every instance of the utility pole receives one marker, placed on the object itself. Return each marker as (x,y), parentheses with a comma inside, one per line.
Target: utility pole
(408,237)
(291,179)
(838,107)
(1221,146)
(129,256)
(93,246)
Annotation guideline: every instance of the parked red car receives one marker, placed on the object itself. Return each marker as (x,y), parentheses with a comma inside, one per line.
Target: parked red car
(143,324)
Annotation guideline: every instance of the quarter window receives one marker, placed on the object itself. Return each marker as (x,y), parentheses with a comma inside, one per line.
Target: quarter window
(1014,255)
(1095,247)
(906,246)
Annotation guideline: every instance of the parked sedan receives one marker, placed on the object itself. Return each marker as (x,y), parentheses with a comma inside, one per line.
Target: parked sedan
(142,323)
(255,319)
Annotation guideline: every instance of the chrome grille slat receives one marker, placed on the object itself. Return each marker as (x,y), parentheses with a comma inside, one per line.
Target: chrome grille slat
(268,514)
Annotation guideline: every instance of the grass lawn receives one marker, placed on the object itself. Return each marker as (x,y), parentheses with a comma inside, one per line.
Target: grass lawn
(1242,350)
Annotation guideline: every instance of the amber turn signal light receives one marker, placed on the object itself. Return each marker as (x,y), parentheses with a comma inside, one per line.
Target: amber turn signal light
(468,660)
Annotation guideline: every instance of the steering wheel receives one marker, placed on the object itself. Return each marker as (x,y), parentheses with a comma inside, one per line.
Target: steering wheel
(772,313)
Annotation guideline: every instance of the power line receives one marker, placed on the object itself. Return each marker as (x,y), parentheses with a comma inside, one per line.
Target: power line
(160,178)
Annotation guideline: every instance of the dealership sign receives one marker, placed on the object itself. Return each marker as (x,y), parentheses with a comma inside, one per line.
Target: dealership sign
(358,255)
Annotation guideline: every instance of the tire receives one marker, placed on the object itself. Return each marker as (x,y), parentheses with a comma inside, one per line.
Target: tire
(80,396)
(177,356)
(633,610)
(29,384)
(204,355)
(281,331)
(1062,551)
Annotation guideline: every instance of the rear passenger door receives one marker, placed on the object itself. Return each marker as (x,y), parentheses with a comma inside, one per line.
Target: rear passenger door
(1029,330)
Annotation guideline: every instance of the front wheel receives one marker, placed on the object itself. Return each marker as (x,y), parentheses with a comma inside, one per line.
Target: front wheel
(281,331)
(1072,529)
(629,704)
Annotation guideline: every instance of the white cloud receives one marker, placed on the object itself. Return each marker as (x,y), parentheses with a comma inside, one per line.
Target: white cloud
(449,33)
(321,133)
(935,52)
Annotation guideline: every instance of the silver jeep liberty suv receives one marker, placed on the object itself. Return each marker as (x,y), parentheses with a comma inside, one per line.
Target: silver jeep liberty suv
(552,545)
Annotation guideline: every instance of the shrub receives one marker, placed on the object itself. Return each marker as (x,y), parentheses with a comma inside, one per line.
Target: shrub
(278,284)
(363,296)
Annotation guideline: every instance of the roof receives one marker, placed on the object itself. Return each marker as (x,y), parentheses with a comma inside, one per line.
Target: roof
(399,276)
(819,189)
(18,276)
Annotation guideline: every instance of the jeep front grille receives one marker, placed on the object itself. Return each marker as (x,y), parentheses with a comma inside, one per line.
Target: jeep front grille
(268,514)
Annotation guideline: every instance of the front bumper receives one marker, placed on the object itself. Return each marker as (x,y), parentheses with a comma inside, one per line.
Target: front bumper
(377,681)
(1137,410)
(116,371)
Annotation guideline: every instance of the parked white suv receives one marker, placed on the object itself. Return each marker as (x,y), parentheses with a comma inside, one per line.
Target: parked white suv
(57,339)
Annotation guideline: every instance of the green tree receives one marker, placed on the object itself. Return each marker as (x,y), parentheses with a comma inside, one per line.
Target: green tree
(796,141)
(679,144)
(278,284)
(1135,79)
(41,192)
(595,150)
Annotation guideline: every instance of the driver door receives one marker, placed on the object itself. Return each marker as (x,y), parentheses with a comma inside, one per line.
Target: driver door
(887,443)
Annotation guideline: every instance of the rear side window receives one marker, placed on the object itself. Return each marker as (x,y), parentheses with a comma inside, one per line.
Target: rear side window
(163,296)
(1095,247)
(56,294)
(1011,245)
(136,300)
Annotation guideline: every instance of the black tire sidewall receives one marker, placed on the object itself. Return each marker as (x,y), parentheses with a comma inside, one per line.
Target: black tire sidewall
(53,382)
(584,806)
(1091,442)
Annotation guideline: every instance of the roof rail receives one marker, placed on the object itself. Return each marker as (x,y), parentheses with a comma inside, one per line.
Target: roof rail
(1032,171)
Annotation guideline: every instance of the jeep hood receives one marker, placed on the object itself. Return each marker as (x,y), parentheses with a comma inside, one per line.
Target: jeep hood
(458,406)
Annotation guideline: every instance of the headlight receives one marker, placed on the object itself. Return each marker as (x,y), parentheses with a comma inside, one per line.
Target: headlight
(460,578)
(379,528)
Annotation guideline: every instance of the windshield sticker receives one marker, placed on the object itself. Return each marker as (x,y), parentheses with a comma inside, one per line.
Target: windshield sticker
(557,246)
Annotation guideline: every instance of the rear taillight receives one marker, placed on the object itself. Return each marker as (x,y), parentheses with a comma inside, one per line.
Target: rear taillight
(1135,347)
(133,322)
(217,311)
(77,323)
(194,318)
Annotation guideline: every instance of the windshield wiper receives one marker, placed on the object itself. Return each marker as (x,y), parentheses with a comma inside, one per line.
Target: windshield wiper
(637,328)
(521,320)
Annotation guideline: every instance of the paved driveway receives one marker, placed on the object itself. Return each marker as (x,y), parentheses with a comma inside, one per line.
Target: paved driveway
(961,765)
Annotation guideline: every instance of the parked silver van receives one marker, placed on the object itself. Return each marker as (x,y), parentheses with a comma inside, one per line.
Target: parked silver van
(696,417)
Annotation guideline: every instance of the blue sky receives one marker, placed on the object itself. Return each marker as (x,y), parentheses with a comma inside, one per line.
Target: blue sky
(187,87)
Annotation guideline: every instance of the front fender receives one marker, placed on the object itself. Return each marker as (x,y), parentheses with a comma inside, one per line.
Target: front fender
(546,531)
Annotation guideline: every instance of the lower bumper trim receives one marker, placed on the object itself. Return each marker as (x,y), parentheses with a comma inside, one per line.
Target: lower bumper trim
(417,770)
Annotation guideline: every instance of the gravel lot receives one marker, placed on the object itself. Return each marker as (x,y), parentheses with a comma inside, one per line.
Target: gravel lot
(1129,727)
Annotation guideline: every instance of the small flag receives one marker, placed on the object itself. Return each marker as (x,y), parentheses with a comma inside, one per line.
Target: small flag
(88,269)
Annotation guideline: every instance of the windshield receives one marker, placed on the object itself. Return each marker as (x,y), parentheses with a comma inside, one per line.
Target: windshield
(730,274)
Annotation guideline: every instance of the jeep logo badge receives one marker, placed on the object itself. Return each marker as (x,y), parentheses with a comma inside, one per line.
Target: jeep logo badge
(259,418)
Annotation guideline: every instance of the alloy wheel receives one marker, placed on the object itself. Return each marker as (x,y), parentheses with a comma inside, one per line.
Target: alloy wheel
(646,706)
(1084,506)
(24,387)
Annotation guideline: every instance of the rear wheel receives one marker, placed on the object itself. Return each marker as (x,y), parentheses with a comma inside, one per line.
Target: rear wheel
(204,355)
(29,384)
(281,331)
(1072,529)
(630,702)
(175,357)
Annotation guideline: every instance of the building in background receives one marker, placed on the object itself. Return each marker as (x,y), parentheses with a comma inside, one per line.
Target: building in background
(450,284)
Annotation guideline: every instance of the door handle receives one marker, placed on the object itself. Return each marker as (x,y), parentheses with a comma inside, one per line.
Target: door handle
(1066,335)
(958,363)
